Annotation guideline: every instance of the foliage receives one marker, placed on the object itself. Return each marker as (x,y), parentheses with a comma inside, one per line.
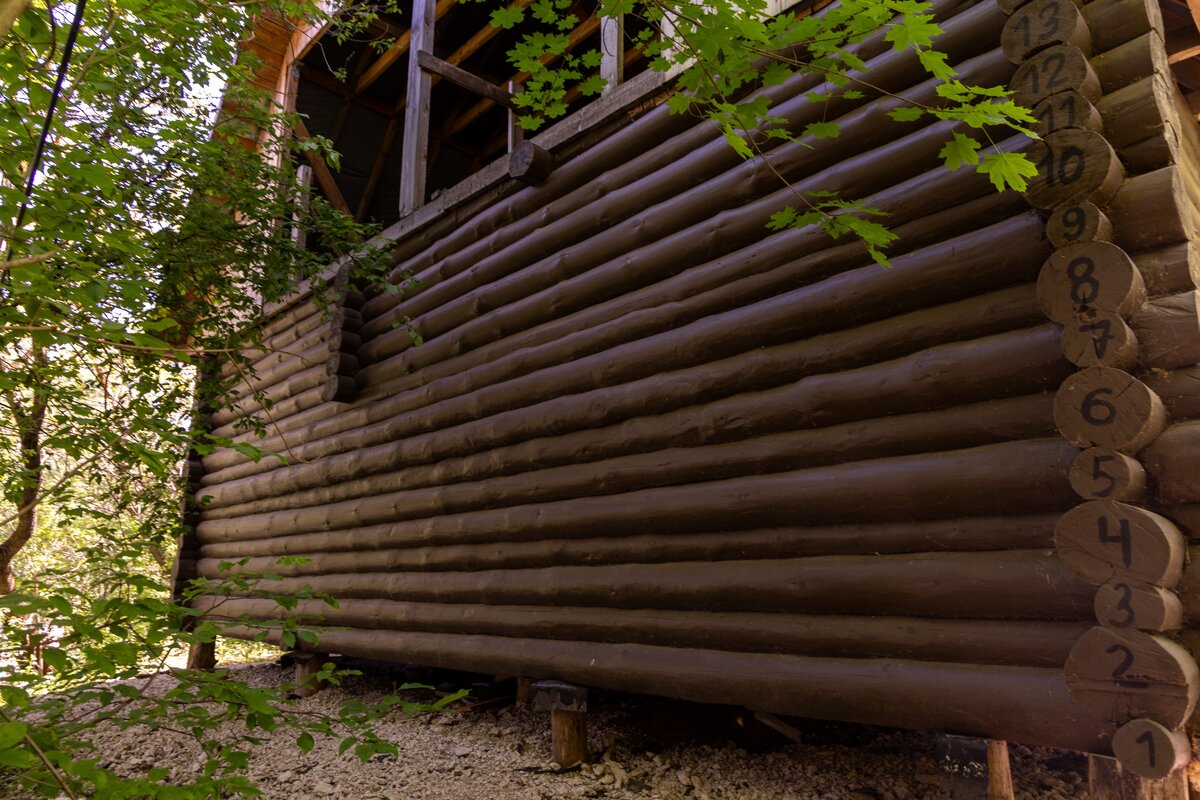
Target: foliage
(139,231)
(725,49)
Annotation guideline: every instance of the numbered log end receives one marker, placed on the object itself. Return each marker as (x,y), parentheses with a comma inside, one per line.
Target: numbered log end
(1077,223)
(1099,473)
(1041,24)
(1103,541)
(1090,276)
(1123,675)
(1149,749)
(1067,111)
(1109,408)
(1060,68)
(530,164)
(1099,339)
(1073,166)
(1141,606)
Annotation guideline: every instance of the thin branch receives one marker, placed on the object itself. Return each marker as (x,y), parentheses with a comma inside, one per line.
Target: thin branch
(41,754)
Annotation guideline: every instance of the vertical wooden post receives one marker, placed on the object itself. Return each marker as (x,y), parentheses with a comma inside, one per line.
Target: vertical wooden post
(965,767)
(612,51)
(304,179)
(1107,781)
(567,705)
(516,134)
(416,112)
(1000,785)
(524,691)
(202,656)
(307,667)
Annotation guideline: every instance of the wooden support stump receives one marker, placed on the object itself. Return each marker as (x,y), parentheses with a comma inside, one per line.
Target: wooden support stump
(567,705)
(1107,781)
(307,667)
(776,724)
(202,656)
(1000,785)
(524,691)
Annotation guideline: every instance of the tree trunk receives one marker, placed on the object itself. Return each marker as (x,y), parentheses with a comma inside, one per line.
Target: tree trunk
(30,426)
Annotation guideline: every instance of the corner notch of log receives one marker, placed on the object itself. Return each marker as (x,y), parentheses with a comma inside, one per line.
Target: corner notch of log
(530,164)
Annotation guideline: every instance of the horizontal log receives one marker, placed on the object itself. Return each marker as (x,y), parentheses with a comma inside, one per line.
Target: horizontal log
(1125,603)
(1011,703)
(931,485)
(1173,461)
(278,345)
(256,405)
(1073,166)
(1179,390)
(1151,750)
(1010,584)
(998,311)
(282,367)
(1066,110)
(697,159)
(708,222)
(1075,223)
(591,173)
(1130,62)
(963,200)
(920,278)
(1100,473)
(560,469)
(1060,68)
(1119,675)
(275,422)
(1024,643)
(1115,22)
(1168,329)
(1110,408)
(1089,276)
(925,381)
(360,551)
(1153,210)
(1099,339)
(1043,23)
(1169,270)
(1102,541)
(1136,112)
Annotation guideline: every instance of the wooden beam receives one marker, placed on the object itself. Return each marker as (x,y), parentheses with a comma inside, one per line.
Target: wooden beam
(1187,73)
(584,29)
(1183,43)
(460,77)
(416,113)
(398,49)
(321,171)
(1194,7)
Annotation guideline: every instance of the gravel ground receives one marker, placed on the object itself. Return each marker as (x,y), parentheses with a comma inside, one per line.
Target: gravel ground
(645,749)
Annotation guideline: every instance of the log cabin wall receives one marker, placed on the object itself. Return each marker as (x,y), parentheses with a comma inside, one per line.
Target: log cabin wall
(647,444)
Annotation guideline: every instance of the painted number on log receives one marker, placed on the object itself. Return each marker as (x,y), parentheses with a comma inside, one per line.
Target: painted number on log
(1110,408)
(1149,749)
(1125,603)
(1102,541)
(1043,23)
(1076,223)
(1074,166)
(1099,339)
(1099,473)
(1056,69)
(1089,276)
(1123,674)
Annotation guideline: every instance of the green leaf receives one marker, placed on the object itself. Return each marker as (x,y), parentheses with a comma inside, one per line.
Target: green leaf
(960,150)
(906,114)
(305,742)
(1008,170)
(822,130)
(507,18)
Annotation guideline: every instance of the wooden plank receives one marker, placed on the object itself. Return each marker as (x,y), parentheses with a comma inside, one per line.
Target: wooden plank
(401,46)
(1183,43)
(1000,785)
(322,173)
(416,113)
(612,48)
(460,77)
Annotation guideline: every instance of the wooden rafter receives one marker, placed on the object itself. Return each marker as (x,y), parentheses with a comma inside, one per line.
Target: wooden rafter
(480,38)
(395,52)
(581,32)
(1194,7)
(1183,43)
(329,82)
(322,173)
